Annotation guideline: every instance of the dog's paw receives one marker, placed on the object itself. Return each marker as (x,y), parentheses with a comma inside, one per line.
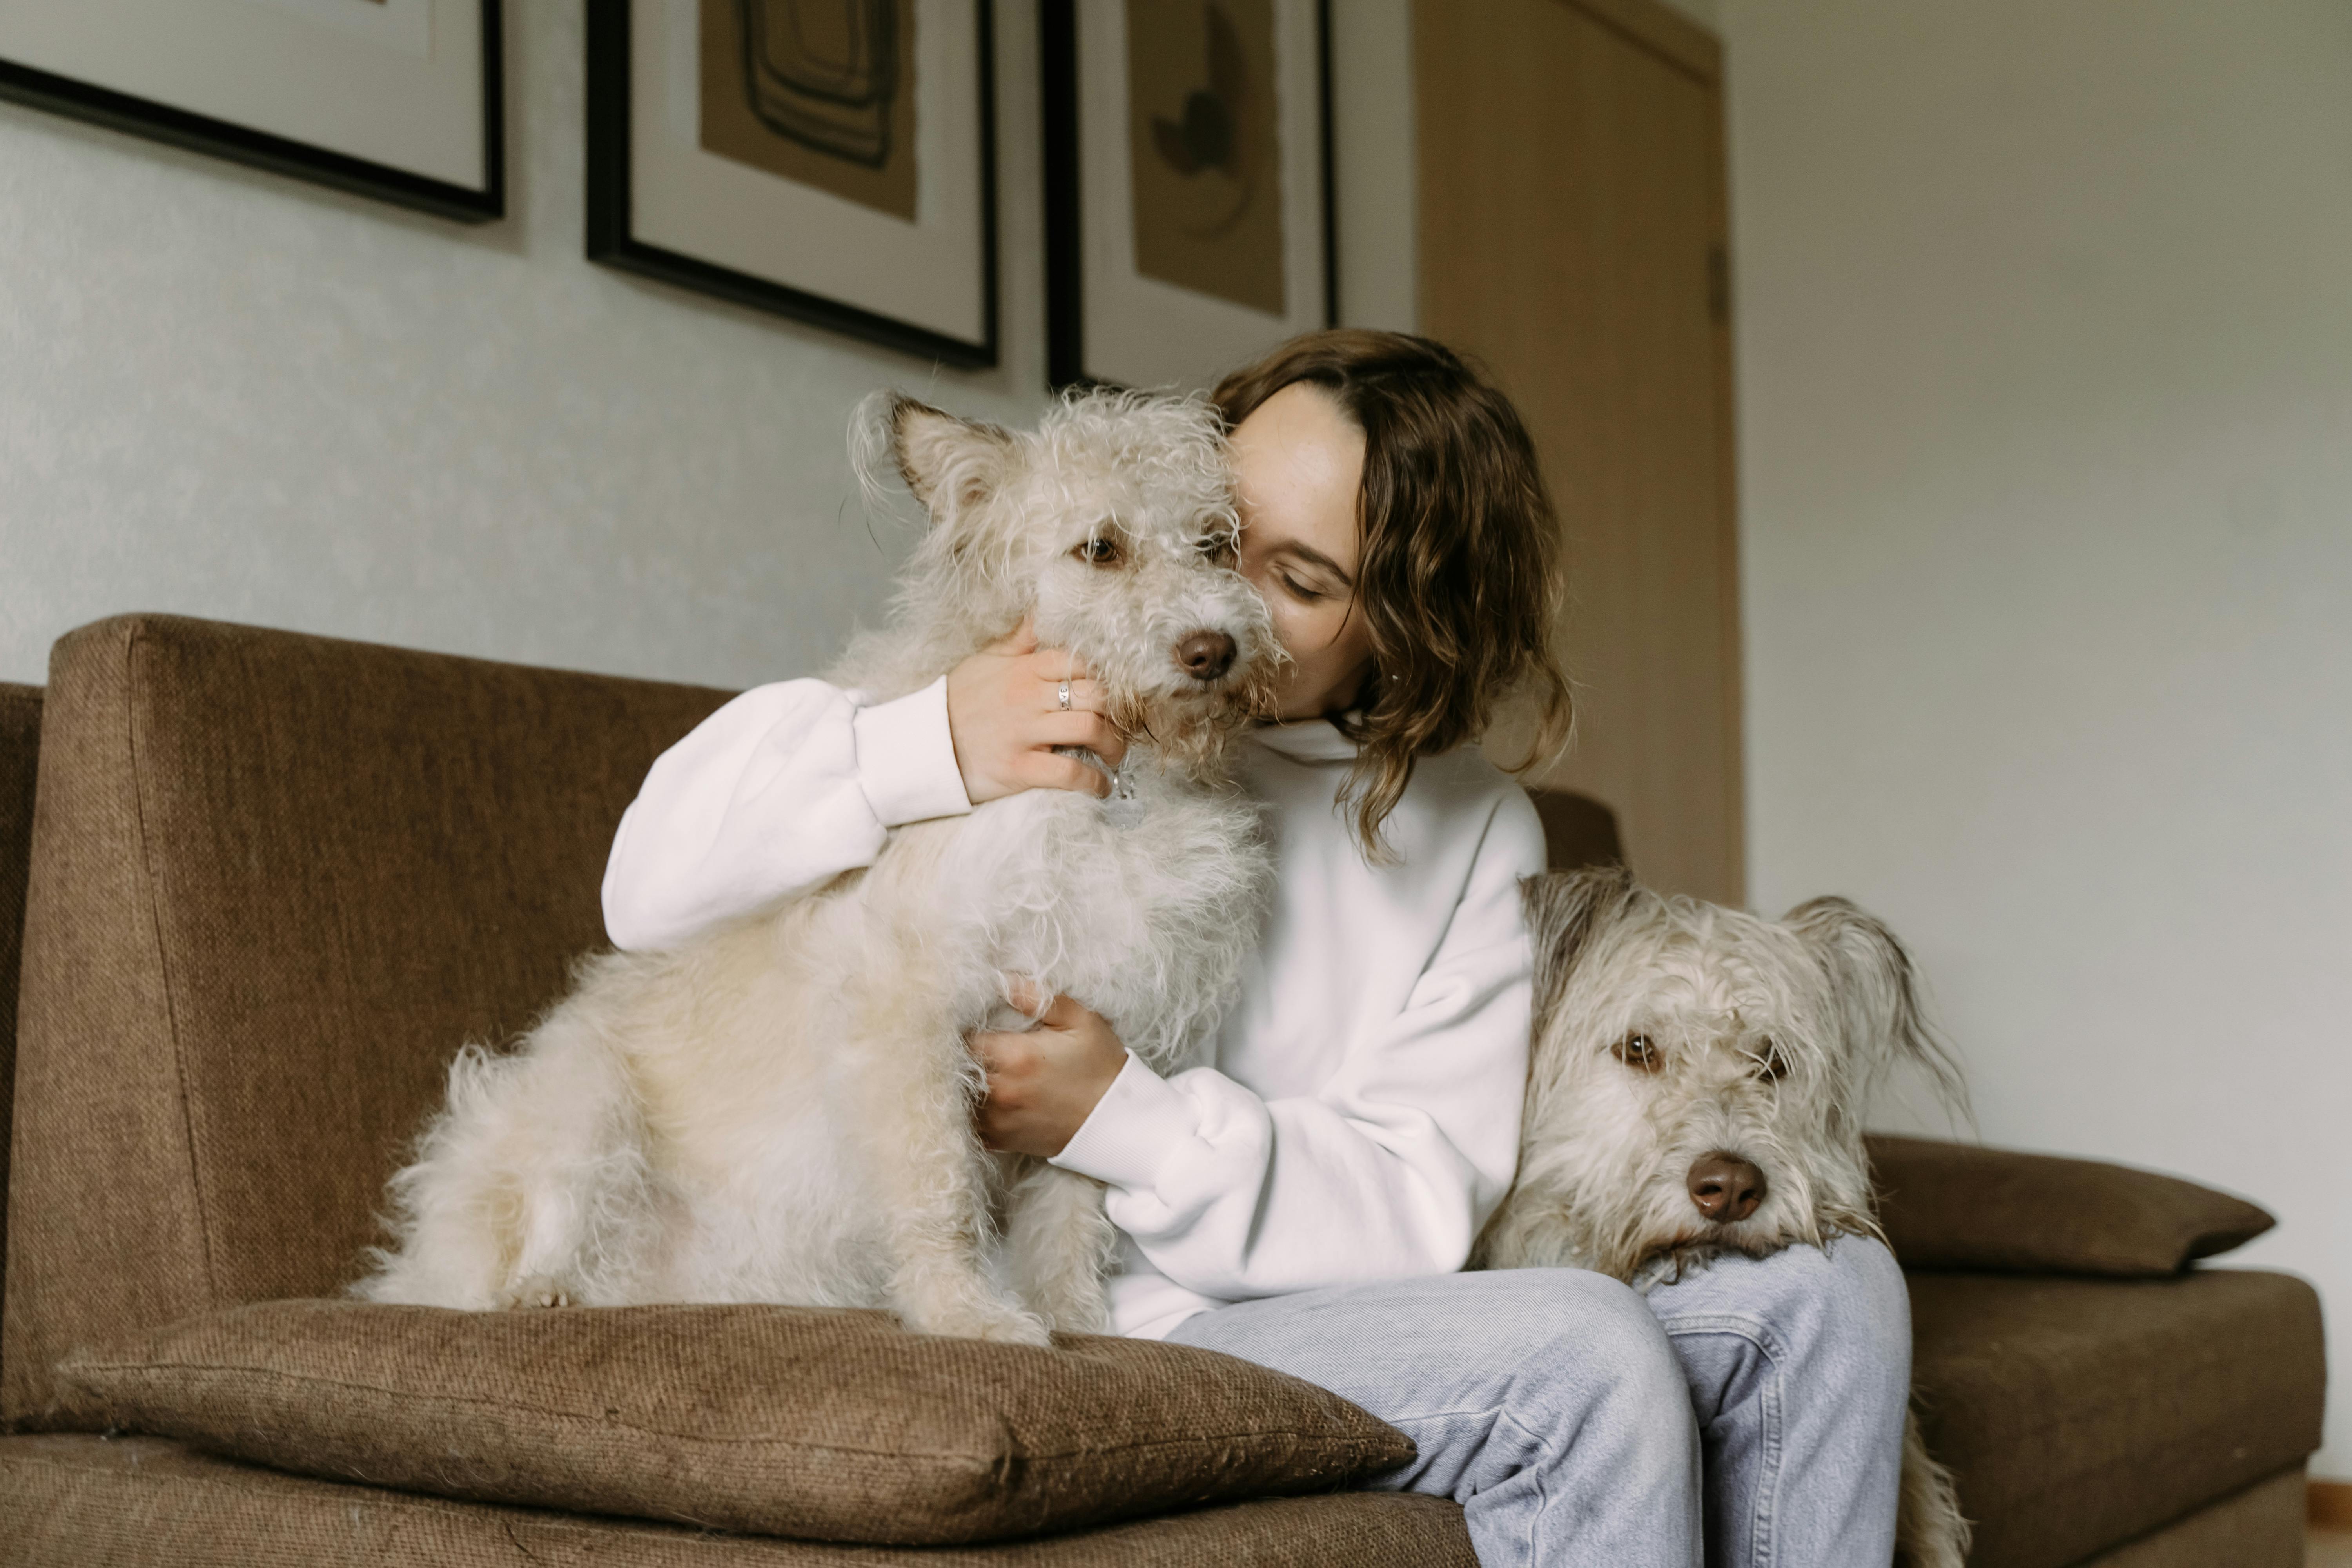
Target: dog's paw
(1018,1329)
(995,1323)
(1077,1319)
(1077,1308)
(539,1290)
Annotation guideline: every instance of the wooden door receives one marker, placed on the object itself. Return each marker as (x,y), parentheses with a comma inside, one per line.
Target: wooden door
(1571,235)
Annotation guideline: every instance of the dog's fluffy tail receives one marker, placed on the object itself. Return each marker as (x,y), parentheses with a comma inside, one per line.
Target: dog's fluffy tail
(1929,1531)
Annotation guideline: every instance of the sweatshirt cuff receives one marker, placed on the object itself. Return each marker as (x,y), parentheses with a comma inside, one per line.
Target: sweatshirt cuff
(1138,1124)
(906,758)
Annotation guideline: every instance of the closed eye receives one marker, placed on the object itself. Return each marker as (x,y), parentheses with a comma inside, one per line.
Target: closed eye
(1298,590)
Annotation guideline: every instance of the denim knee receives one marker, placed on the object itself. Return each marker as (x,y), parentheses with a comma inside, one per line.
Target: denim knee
(1860,1308)
(1873,1308)
(1597,1334)
(1840,1311)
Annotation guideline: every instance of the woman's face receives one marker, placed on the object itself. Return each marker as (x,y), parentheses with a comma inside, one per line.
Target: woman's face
(1298,461)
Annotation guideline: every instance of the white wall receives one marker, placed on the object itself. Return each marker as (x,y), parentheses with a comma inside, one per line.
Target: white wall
(234,395)
(1375,167)
(230,394)
(2046,392)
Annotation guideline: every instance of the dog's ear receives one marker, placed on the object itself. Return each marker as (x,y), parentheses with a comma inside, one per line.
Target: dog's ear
(1565,910)
(1878,993)
(952,464)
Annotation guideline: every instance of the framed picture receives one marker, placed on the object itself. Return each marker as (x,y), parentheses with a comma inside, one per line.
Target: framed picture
(398,99)
(1188,213)
(834,161)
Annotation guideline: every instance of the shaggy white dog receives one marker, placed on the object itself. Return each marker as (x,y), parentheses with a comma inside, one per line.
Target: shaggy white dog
(1697,1089)
(781,1110)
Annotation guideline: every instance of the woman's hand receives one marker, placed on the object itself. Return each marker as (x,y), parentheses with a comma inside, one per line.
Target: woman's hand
(1044,1081)
(1005,716)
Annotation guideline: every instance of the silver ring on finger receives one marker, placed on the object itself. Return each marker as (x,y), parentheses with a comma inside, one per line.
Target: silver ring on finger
(1063,695)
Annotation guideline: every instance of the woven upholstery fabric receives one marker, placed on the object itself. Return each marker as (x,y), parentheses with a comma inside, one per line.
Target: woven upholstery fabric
(2261,1527)
(1959,1206)
(276,881)
(142,1503)
(20,750)
(2076,1413)
(834,1426)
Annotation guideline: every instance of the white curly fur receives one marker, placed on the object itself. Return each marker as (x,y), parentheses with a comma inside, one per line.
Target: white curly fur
(1668,1030)
(780,1111)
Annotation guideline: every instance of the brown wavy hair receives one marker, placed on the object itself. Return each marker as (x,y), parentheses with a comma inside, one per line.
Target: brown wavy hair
(1459,581)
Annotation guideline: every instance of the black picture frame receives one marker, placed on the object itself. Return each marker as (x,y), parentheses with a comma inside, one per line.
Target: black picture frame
(1066,262)
(283,155)
(1057,57)
(611,242)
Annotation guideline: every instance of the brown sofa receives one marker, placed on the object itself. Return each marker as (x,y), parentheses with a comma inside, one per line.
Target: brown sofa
(270,881)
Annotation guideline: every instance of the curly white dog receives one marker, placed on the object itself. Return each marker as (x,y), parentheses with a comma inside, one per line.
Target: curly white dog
(1697,1089)
(781,1110)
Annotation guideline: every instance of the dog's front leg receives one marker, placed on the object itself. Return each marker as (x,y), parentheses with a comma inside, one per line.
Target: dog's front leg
(1059,1244)
(934,1180)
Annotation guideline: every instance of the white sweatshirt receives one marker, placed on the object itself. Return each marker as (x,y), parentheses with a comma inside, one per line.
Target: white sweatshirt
(1363,1117)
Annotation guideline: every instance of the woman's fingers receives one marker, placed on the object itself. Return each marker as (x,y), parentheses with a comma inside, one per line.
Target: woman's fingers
(1051,1009)
(1003,1053)
(1052,769)
(1044,1081)
(1005,713)
(1026,994)
(1091,731)
(1062,1012)
(1053,665)
(1085,696)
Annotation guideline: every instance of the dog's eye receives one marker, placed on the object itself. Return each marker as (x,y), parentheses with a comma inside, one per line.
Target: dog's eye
(1770,1065)
(1636,1051)
(1218,550)
(1099,552)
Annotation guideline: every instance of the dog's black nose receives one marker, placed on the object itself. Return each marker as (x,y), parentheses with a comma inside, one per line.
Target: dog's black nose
(1205,656)
(1724,1187)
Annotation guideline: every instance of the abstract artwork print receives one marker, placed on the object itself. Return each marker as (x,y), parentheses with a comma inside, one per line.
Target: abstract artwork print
(1204,148)
(821,91)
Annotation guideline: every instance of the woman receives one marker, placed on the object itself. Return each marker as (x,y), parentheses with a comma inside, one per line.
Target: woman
(1308,1201)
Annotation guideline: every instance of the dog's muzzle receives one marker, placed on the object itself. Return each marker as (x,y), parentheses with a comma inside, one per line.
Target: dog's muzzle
(1205,656)
(1725,1188)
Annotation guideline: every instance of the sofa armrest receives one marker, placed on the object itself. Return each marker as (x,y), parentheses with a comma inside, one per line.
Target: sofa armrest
(1963,1206)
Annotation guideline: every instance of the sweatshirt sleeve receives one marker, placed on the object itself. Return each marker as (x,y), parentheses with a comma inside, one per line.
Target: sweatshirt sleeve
(775,795)
(1390,1170)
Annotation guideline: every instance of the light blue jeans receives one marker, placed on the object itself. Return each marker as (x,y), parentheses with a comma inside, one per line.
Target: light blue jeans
(1749,1415)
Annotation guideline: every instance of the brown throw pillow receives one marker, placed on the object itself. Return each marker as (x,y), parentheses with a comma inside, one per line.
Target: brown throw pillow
(1957,1205)
(834,1425)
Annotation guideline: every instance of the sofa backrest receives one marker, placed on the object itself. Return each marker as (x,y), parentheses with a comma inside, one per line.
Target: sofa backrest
(1578,831)
(276,881)
(20,750)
